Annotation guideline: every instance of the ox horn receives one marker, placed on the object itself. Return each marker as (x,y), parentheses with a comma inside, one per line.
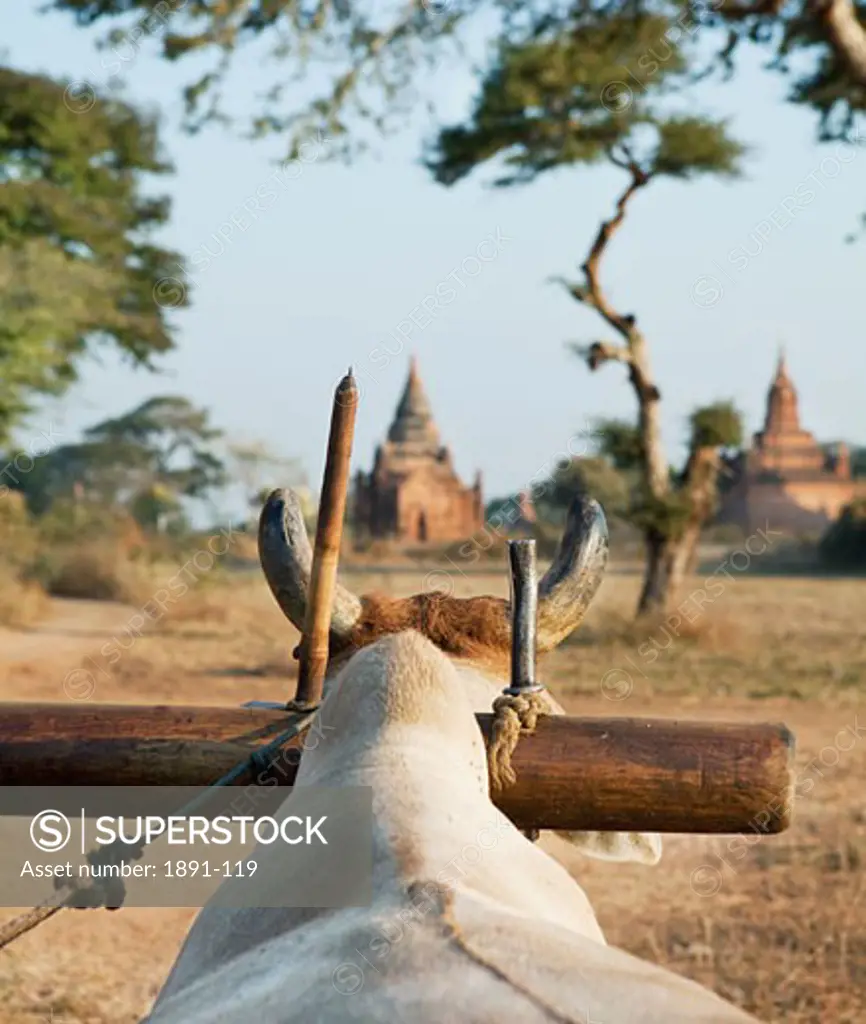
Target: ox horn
(569,585)
(287,561)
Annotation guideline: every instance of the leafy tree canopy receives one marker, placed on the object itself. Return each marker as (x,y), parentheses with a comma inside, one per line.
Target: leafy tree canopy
(716,426)
(378,54)
(593,475)
(259,470)
(76,263)
(619,442)
(612,474)
(548,103)
(147,460)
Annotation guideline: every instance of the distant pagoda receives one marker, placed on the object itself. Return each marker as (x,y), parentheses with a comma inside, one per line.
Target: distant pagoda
(413,493)
(786,480)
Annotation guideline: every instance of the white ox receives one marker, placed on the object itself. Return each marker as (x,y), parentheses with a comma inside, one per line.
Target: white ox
(509,937)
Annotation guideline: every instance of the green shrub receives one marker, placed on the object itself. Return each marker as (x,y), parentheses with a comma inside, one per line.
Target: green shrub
(843,546)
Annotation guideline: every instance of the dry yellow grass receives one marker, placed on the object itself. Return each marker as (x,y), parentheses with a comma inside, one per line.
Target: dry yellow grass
(777,925)
(22,602)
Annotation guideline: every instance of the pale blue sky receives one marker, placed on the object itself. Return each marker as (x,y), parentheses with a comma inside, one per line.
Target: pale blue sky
(342,256)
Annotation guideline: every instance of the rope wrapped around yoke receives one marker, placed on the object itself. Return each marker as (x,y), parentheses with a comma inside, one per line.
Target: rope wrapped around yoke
(514,715)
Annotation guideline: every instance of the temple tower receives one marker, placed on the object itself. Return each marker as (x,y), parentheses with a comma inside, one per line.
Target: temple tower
(413,493)
(786,481)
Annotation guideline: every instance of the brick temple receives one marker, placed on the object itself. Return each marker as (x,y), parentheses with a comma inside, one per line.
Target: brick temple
(413,493)
(786,479)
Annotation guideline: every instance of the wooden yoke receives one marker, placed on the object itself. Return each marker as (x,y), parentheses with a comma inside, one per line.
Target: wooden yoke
(593,774)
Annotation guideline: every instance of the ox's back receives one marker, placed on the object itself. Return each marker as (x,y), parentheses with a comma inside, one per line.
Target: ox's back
(505,934)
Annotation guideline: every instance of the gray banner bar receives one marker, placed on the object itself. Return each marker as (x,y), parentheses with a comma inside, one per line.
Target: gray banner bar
(254,846)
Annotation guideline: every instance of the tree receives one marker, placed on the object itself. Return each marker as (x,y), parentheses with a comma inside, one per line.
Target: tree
(539,110)
(42,295)
(376,53)
(147,460)
(857,454)
(597,475)
(260,470)
(163,452)
(843,546)
(76,264)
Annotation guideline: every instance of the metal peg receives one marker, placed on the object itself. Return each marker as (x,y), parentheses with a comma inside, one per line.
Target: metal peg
(524,615)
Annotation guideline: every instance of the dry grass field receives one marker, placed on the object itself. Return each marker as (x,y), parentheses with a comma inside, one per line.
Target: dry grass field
(777,925)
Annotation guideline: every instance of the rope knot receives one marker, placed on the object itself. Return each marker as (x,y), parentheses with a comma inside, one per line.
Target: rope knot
(513,715)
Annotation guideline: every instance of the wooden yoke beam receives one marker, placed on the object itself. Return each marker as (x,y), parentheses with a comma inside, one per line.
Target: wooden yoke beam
(594,774)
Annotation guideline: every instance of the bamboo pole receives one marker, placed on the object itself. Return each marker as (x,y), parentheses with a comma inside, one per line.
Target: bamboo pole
(313,661)
(594,774)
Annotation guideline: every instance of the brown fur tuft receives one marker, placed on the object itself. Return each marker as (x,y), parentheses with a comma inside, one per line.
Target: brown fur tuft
(477,629)
(474,629)
(457,626)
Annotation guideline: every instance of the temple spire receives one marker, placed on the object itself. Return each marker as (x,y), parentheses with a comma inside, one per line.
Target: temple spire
(782,416)
(413,420)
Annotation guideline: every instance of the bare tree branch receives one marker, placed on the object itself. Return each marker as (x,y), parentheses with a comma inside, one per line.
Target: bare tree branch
(736,10)
(579,292)
(597,353)
(634,352)
(623,324)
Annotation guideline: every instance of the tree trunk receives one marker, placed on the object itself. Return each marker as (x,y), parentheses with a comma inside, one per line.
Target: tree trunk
(671,559)
(667,566)
(653,596)
(692,563)
(683,556)
(844,32)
